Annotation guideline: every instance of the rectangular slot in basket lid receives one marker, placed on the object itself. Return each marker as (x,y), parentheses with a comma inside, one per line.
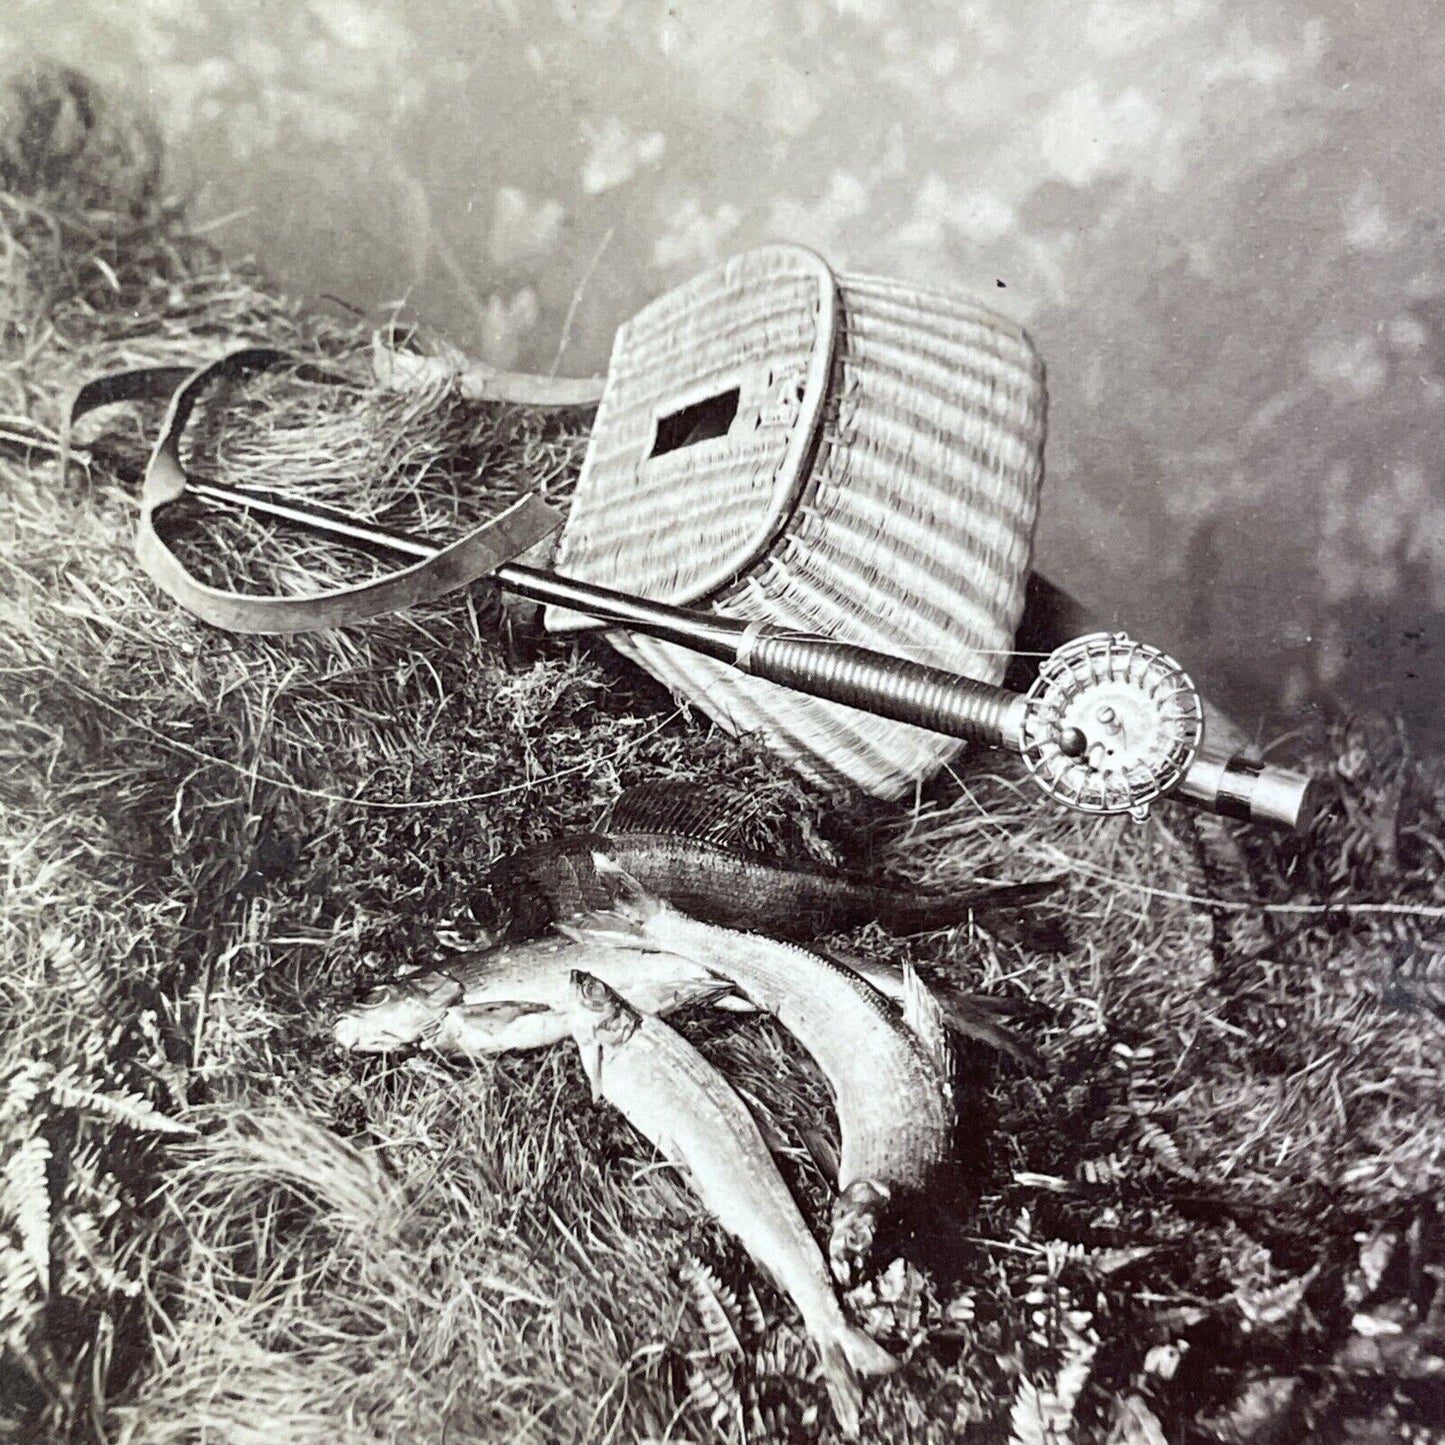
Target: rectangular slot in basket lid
(704,430)
(909,529)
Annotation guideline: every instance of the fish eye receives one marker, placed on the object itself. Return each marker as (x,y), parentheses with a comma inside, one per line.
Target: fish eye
(379,994)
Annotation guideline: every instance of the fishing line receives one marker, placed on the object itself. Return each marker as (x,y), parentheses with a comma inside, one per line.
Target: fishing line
(1409,910)
(565,337)
(289,785)
(986,820)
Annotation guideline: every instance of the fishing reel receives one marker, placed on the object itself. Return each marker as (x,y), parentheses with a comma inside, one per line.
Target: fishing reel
(1110,725)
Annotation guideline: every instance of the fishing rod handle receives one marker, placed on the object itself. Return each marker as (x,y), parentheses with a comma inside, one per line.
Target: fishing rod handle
(891,687)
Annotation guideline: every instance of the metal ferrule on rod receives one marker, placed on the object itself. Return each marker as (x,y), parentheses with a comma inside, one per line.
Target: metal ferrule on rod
(705,632)
(1235,787)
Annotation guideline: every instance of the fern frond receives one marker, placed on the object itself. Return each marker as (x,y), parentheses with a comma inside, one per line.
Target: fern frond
(1044,1415)
(23,1087)
(27,1201)
(120,1107)
(752,1314)
(1027,1423)
(92,1249)
(712,1391)
(784,1353)
(716,1307)
(78,973)
(1165,1151)
(20,1292)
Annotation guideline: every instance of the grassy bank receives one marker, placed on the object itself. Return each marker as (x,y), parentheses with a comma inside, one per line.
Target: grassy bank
(1210,1215)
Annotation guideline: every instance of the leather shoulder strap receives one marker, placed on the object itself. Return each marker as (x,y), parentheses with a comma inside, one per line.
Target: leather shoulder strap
(474,555)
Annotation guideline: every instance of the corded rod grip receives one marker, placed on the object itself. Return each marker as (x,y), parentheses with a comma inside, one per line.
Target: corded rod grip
(891,687)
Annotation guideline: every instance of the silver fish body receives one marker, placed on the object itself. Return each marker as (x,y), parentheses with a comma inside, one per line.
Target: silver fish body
(694,1117)
(890,1075)
(517,996)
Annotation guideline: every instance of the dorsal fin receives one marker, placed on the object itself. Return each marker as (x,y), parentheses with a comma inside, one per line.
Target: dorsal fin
(924,1015)
(700,811)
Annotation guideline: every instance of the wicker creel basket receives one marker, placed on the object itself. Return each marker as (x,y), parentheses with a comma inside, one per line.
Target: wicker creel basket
(845,455)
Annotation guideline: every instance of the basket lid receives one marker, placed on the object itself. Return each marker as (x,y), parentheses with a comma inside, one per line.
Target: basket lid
(704,433)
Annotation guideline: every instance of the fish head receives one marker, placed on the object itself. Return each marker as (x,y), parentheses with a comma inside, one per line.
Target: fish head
(601,1018)
(605,1014)
(856,1215)
(497,1027)
(395,1014)
(628,902)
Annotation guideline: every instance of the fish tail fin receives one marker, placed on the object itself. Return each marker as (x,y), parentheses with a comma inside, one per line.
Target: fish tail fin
(980,1018)
(623,921)
(847,1354)
(905,913)
(845,1393)
(602,925)
(865,1354)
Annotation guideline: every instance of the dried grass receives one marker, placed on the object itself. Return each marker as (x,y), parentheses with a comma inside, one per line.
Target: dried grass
(1212,1215)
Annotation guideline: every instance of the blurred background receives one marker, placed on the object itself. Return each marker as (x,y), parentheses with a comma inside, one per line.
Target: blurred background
(1220,221)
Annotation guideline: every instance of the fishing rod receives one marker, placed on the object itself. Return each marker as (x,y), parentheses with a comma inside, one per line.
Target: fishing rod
(1108,726)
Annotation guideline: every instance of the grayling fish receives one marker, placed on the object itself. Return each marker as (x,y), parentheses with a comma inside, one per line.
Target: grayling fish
(891,1076)
(678,841)
(694,1117)
(517,996)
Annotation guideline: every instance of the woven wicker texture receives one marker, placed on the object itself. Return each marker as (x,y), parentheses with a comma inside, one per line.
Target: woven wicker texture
(713,395)
(911,534)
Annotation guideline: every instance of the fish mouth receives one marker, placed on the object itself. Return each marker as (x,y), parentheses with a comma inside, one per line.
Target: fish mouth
(857,1213)
(417,997)
(352,1035)
(358,1034)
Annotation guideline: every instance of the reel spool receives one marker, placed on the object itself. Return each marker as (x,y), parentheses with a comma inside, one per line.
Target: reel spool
(1110,724)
